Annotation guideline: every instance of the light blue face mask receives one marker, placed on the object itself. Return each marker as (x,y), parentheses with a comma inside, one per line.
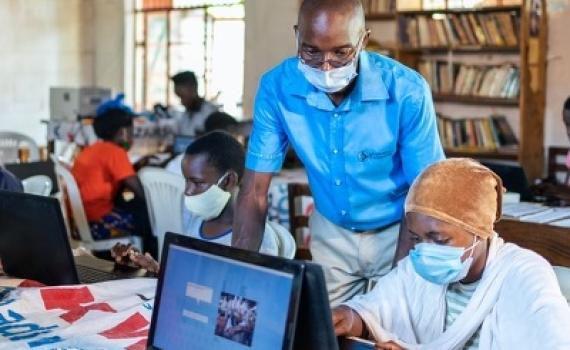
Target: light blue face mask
(441,264)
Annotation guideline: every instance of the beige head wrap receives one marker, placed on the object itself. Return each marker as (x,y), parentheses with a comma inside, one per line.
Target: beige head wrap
(461,192)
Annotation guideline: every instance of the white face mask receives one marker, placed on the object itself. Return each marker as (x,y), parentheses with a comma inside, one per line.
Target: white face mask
(333,80)
(210,203)
(330,81)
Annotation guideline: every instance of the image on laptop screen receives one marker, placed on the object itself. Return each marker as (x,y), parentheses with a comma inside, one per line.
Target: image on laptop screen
(212,302)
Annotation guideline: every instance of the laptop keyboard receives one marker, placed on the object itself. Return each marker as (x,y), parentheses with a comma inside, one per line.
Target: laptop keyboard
(90,275)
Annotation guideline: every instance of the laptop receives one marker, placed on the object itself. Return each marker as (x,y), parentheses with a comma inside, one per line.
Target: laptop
(314,329)
(181,142)
(34,244)
(513,176)
(210,296)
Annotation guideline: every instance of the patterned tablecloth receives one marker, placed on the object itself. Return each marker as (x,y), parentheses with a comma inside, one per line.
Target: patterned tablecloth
(107,315)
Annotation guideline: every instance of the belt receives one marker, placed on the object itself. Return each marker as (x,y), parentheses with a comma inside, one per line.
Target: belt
(375,230)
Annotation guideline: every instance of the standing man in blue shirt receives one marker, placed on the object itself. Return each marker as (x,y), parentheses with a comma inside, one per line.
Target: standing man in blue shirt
(364,127)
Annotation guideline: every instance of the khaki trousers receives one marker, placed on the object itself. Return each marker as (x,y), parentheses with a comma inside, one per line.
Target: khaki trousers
(351,261)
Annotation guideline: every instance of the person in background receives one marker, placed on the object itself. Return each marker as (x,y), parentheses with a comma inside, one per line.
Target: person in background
(364,127)
(192,121)
(9,182)
(216,121)
(566,120)
(213,167)
(103,170)
(461,286)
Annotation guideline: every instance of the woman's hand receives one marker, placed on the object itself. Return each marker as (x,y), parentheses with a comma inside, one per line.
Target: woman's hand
(146,262)
(121,253)
(389,345)
(346,322)
(129,255)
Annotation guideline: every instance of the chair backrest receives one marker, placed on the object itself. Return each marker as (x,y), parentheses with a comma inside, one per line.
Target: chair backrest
(38,184)
(164,193)
(71,199)
(297,219)
(557,164)
(10,142)
(563,276)
(287,248)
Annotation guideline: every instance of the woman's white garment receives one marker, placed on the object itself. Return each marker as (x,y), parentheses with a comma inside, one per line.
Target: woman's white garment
(517,304)
(192,227)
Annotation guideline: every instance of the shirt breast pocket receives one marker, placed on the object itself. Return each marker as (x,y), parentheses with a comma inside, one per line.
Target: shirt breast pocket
(376,162)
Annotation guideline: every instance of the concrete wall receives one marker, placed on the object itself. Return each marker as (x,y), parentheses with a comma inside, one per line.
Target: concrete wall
(558,73)
(55,43)
(269,38)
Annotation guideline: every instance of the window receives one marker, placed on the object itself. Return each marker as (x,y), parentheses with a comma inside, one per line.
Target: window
(206,37)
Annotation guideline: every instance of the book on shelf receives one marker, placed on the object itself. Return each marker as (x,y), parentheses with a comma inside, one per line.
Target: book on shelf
(409,5)
(372,7)
(487,134)
(460,79)
(498,29)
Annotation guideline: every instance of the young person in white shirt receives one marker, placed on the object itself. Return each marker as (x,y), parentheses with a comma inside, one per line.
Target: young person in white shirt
(212,166)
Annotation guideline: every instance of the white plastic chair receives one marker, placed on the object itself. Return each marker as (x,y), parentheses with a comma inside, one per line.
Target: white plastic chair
(164,193)
(70,193)
(285,241)
(10,142)
(563,275)
(40,185)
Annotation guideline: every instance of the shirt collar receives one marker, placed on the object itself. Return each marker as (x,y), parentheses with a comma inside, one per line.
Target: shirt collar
(369,84)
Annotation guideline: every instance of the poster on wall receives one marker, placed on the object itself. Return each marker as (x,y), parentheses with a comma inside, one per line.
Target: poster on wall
(557,6)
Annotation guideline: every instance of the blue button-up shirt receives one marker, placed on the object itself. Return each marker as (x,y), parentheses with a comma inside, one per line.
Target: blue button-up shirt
(361,156)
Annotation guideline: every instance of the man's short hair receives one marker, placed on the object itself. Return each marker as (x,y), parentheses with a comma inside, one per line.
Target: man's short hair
(219,121)
(108,124)
(567,104)
(185,78)
(222,150)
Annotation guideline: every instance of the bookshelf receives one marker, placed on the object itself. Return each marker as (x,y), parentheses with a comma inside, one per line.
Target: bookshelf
(381,15)
(388,16)
(516,34)
(476,100)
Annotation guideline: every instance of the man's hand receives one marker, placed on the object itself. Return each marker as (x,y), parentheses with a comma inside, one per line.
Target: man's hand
(346,322)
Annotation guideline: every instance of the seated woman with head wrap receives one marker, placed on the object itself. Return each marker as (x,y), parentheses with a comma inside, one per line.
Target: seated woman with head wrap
(461,286)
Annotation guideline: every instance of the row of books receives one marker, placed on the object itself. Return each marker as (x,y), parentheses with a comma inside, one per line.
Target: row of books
(415,5)
(379,6)
(500,81)
(489,133)
(455,30)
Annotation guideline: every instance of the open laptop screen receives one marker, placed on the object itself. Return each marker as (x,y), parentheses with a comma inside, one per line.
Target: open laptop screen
(211,302)
(181,142)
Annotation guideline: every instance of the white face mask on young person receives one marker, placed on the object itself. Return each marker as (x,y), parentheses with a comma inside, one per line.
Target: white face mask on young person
(333,80)
(210,203)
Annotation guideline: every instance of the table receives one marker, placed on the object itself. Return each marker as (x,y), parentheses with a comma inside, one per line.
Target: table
(25,170)
(552,242)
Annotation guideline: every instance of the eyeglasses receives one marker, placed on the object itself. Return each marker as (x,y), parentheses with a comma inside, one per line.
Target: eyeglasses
(340,57)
